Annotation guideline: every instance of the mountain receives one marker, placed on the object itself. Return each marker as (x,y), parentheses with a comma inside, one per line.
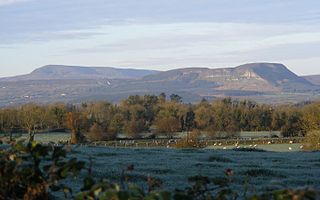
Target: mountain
(58,72)
(260,77)
(314,79)
(263,82)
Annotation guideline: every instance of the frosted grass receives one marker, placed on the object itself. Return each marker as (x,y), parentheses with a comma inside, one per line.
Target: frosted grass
(262,170)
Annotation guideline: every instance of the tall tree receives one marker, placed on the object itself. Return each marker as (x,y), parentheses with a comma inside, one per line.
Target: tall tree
(168,119)
(294,125)
(175,98)
(33,118)
(8,121)
(162,98)
(57,114)
(189,121)
(77,123)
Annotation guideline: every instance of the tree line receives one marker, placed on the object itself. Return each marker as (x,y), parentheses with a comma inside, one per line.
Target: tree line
(159,115)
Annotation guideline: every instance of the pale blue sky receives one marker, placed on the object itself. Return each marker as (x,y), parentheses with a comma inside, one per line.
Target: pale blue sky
(158,34)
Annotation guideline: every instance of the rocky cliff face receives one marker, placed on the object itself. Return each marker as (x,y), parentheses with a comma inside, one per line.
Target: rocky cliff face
(263,77)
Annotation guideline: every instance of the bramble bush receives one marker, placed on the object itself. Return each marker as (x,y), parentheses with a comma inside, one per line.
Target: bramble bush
(32,171)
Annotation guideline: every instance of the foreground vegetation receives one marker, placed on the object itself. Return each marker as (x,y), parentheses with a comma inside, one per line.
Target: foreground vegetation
(32,171)
(159,115)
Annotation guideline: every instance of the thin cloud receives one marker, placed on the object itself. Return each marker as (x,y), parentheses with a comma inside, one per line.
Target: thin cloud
(30,18)
(8,2)
(193,37)
(167,33)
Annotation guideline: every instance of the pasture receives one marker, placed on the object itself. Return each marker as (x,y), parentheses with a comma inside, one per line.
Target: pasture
(254,171)
(280,166)
(259,140)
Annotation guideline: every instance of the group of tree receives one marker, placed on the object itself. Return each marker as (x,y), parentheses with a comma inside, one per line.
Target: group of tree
(159,115)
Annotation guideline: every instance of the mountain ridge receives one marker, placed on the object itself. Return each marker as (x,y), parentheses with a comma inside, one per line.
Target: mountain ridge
(314,79)
(76,84)
(273,76)
(50,72)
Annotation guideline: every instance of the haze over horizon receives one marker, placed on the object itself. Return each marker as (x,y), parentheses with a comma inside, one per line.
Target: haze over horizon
(160,35)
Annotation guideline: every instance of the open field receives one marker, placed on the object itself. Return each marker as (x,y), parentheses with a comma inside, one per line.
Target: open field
(48,137)
(261,170)
(56,136)
(258,140)
(254,170)
(247,139)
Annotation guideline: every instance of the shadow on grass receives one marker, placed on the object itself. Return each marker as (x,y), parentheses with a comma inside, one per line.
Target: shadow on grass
(219,159)
(263,173)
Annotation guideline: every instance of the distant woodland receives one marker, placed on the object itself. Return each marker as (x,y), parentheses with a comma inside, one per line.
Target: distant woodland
(159,115)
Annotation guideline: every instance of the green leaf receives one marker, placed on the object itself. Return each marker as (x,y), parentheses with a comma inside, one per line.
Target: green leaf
(136,191)
(123,195)
(55,188)
(165,195)
(88,183)
(181,196)
(58,152)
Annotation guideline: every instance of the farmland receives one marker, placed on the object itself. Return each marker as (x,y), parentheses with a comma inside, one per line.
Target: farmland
(261,170)
(258,168)
(275,168)
(258,140)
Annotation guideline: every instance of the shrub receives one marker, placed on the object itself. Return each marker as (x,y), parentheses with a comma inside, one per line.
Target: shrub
(96,133)
(312,141)
(293,126)
(32,171)
(111,134)
(191,141)
(167,125)
(288,194)
(134,128)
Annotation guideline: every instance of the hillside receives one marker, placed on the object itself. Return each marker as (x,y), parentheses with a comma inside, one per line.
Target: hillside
(314,79)
(263,82)
(54,72)
(259,77)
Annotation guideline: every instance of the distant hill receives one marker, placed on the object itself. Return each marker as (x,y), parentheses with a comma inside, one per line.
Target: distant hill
(315,79)
(263,82)
(54,72)
(260,77)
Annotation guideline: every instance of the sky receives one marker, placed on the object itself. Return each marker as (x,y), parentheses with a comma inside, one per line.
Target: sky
(161,35)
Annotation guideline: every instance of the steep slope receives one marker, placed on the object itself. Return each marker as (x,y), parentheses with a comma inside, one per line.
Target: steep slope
(314,79)
(277,75)
(261,77)
(54,72)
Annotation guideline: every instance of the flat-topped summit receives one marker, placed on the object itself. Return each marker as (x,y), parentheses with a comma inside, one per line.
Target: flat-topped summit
(54,83)
(54,72)
(266,77)
(274,73)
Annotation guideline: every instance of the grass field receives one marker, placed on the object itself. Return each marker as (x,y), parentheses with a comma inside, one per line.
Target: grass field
(49,137)
(267,147)
(256,170)
(56,137)
(275,168)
